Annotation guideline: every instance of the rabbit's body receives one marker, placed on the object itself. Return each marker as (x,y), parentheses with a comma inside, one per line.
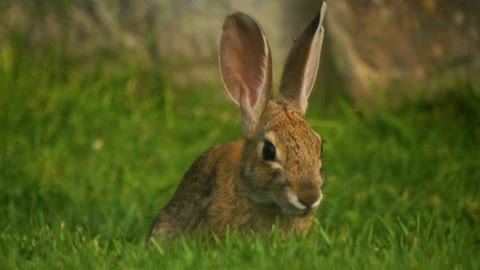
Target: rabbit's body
(273,176)
(220,205)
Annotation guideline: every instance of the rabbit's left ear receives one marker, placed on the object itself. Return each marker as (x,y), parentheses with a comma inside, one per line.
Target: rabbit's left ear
(246,68)
(302,64)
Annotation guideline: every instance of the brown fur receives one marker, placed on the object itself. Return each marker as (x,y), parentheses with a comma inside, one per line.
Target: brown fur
(231,186)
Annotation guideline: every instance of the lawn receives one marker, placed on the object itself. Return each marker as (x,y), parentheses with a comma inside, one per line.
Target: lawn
(89,155)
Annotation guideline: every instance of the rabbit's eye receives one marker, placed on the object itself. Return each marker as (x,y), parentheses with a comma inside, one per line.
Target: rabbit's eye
(269,151)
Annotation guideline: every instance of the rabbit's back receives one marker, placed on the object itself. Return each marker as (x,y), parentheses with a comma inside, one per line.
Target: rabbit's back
(209,183)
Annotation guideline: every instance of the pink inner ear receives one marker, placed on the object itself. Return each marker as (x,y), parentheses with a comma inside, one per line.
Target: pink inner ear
(252,91)
(252,97)
(246,70)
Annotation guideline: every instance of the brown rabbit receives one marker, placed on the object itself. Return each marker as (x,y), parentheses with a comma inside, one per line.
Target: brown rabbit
(273,176)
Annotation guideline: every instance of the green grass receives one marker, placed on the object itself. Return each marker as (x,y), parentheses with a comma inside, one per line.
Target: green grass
(88,157)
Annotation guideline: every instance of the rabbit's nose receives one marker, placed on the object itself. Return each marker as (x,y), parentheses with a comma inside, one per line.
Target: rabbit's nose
(310,197)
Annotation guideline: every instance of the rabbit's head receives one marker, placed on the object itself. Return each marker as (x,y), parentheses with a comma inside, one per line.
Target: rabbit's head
(281,162)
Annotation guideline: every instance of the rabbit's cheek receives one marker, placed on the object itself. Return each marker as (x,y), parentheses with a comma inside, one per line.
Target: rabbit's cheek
(275,165)
(260,198)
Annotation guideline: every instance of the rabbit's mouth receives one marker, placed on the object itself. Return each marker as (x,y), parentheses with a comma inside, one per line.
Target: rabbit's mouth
(286,203)
(293,206)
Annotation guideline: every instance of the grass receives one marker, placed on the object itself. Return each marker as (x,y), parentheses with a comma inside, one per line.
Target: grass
(88,158)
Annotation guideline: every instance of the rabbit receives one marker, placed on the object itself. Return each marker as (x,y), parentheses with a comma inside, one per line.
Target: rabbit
(274,176)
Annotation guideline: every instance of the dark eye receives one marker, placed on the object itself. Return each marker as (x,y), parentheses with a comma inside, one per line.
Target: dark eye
(268,151)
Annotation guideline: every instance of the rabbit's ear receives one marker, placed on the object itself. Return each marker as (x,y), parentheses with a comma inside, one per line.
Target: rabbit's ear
(246,68)
(302,64)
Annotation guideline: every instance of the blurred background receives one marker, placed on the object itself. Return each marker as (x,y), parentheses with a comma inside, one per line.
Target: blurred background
(104,104)
(390,46)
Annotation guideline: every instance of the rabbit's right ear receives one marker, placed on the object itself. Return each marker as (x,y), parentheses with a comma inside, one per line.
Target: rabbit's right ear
(246,68)
(302,65)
